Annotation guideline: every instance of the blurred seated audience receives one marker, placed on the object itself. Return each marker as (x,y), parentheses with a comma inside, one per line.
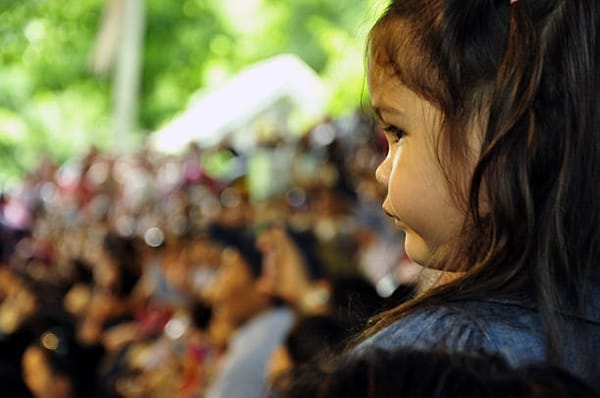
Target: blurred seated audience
(292,269)
(258,324)
(119,247)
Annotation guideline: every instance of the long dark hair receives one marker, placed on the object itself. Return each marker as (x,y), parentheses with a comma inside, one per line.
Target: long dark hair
(528,76)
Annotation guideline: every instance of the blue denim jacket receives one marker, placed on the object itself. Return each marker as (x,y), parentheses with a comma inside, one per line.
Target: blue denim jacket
(506,328)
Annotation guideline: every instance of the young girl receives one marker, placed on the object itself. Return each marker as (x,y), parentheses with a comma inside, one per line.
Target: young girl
(492,115)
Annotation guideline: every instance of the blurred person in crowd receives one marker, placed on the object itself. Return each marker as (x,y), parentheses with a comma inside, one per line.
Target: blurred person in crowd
(167,271)
(236,208)
(401,294)
(258,325)
(175,274)
(176,363)
(18,305)
(199,357)
(126,304)
(115,276)
(164,349)
(9,236)
(54,366)
(334,307)
(430,374)
(331,198)
(312,338)
(19,301)
(292,270)
(353,300)
(79,293)
(333,224)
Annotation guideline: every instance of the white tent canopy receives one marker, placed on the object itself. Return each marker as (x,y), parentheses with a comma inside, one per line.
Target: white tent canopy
(257,90)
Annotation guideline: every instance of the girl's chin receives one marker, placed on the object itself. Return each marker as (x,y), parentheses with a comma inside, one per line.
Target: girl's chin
(416,248)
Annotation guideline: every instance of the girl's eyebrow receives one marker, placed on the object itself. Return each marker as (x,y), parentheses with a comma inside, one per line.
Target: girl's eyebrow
(377,112)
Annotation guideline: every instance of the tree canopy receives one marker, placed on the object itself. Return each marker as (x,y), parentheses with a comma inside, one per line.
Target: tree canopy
(51,103)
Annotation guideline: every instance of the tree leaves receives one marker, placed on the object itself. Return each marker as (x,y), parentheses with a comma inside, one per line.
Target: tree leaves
(45,47)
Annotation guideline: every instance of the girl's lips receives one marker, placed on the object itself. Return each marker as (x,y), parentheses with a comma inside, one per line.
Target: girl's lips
(388,213)
(397,222)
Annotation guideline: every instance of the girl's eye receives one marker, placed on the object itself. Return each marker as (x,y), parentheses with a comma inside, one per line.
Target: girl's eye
(394,131)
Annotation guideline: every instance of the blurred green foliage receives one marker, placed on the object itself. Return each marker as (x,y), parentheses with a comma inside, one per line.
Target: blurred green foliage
(51,103)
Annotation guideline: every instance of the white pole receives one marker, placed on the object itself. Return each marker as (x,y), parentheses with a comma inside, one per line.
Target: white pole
(127,76)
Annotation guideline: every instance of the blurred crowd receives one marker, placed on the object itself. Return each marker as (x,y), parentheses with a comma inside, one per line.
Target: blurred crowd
(215,272)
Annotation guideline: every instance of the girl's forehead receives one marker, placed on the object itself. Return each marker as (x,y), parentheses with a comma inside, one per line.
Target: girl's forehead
(387,91)
(388,76)
(379,75)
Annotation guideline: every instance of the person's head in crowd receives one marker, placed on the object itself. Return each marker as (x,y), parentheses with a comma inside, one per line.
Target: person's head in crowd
(235,207)
(20,300)
(431,374)
(78,295)
(204,256)
(234,293)
(19,306)
(123,264)
(293,270)
(116,274)
(353,300)
(54,366)
(174,262)
(48,367)
(311,338)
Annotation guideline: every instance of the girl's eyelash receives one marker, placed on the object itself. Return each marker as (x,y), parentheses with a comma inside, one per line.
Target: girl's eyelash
(399,133)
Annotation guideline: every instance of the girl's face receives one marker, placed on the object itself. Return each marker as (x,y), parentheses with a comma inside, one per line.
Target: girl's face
(417,197)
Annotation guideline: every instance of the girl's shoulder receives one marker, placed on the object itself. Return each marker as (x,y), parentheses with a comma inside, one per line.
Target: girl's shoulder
(512,329)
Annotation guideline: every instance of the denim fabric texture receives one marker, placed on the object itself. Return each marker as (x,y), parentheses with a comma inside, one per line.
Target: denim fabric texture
(505,328)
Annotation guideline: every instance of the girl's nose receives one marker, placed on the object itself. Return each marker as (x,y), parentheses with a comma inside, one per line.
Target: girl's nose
(382,173)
